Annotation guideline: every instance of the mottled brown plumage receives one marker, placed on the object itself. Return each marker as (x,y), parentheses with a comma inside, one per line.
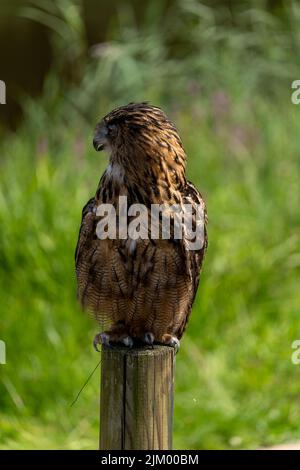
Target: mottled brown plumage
(142,289)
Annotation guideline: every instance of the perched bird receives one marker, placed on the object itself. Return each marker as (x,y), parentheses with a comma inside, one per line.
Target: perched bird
(140,289)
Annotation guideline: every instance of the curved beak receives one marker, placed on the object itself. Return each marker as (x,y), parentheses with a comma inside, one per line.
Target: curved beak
(98,146)
(100,141)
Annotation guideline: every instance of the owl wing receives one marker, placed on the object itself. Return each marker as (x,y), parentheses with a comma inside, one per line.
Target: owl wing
(194,258)
(85,246)
(87,221)
(101,273)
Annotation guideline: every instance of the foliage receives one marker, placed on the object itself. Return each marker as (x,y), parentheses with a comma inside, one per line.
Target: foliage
(227,87)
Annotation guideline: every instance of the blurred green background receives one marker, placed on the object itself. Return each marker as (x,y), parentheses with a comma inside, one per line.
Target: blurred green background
(222,70)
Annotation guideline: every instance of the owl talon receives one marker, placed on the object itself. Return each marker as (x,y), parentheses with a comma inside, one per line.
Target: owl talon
(173,342)
(127,341)
(148,338)
(101,338)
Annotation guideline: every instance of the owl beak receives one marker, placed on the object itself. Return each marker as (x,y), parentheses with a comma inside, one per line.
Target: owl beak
(99,141)
(98,146)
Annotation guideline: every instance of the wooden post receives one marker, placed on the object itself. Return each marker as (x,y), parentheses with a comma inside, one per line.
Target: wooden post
(136,403)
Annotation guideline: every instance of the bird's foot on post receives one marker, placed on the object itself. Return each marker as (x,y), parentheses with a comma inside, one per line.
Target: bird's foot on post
(127,341)
(101,338)
(172,341)
(109,340)
(148,338)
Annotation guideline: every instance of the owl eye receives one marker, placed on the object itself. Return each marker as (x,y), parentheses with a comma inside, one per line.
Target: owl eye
(111,129)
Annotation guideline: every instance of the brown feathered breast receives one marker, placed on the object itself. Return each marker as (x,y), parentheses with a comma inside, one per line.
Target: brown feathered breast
(143,289)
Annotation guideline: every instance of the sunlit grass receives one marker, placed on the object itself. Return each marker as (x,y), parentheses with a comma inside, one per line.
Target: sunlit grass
(228,91)
(235,385)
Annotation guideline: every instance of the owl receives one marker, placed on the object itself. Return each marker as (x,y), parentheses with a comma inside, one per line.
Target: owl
(140,287)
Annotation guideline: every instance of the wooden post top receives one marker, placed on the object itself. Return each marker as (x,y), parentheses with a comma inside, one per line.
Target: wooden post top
(136,408)
(155,350)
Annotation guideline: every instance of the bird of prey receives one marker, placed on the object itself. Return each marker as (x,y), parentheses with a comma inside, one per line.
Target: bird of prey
(140,290)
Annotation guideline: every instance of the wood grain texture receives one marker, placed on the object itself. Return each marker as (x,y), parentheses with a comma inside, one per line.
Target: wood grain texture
(136,406)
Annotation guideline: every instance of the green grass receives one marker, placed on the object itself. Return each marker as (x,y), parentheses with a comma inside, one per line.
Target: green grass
(228,90)
(235,384)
